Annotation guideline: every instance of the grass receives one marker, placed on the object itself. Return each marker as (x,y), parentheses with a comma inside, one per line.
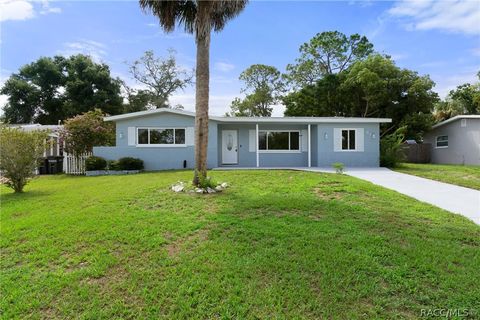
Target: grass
(277,245)
(465,176)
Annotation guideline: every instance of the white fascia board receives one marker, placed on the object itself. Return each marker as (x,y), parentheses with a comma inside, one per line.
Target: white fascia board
(147,113)
(298,120)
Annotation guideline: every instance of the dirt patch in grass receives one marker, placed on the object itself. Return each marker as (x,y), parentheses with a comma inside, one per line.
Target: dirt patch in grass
(330,194)
(188,243)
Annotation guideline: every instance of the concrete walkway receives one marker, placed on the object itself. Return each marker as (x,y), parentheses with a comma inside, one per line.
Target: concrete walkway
(450,197)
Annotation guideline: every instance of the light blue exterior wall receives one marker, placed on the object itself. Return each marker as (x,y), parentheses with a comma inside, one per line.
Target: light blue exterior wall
(270,159)
(164,158)
(159,158)
(370,157)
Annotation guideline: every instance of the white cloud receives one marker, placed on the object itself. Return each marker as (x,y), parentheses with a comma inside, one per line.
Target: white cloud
(475,52)
(459,16)
(218,104)
(399,56)
(16,10)
(445,84)
(224,66)
(94,49)
(24,9)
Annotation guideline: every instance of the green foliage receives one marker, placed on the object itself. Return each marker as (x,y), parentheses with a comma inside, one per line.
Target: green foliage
(263,86)
(390,148)
(207,182)
(19,153)
(339,167)
(129,163)
(465,99)
(161,76)
(326,53)
(373,87)
(53,89)
(95,163)
(81,133)
(113,165)
(322,99)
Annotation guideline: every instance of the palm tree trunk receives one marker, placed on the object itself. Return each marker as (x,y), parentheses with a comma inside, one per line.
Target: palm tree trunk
(201,107)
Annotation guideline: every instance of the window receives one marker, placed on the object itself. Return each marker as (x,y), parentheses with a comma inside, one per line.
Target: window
(279,140)
(442,142)
(158,136)
(348,139)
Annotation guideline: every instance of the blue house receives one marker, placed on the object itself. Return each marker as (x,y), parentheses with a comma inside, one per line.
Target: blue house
(164,139)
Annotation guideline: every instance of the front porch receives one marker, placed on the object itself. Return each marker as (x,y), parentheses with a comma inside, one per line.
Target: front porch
(266,145)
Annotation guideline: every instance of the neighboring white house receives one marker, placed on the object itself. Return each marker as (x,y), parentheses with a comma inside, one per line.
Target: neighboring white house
(456,140)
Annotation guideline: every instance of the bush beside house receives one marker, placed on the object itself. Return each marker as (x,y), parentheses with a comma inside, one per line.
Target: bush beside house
(96,166)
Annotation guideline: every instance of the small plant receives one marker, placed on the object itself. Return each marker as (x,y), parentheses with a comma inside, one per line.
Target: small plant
(129,163)
(390,149)
(339,167)
(207,182)
(95,163)
(113,165)
(19,152)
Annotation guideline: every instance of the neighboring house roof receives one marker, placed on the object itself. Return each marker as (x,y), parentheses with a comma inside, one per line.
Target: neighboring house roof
(467,116)
(252,119)
(36,127)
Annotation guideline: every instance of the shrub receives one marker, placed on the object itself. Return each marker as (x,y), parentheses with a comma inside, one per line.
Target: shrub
(82,132)
(19,152)
(95,163)
(129,163)
(206,182)
(339,167)
(390,149)
(112,165)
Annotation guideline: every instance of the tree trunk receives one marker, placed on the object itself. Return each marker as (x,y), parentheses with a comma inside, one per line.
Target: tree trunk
(201,107)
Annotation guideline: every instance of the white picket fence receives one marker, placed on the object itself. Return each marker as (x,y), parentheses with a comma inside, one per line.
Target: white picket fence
(74,164)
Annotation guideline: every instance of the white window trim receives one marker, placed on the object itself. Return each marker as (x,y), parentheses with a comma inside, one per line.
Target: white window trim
(159,145)
(280,151)
(341,135)
(436,142)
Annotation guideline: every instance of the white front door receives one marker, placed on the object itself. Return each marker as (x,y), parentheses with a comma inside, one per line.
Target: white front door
(229,147)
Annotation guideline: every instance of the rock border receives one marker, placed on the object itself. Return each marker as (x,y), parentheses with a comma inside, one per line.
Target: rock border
(181,186)
(92,173)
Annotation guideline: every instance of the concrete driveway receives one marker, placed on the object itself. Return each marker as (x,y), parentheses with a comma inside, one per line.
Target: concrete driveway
(450,197)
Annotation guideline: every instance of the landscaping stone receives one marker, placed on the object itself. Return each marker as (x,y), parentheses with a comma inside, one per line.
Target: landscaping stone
(178,187)
(210,190)
(109,172)
(186,187)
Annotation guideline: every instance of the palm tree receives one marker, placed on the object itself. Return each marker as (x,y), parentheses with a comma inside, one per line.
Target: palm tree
(200,18)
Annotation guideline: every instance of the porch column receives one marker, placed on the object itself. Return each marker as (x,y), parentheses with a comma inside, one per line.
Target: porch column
(256,148)
(309,140)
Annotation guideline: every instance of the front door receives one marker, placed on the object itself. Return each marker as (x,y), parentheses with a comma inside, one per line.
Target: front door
(229,147)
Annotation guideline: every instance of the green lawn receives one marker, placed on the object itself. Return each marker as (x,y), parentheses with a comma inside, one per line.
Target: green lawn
(466,176)
(277,245)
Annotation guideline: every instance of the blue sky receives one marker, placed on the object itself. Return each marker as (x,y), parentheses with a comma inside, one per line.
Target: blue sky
(439,38)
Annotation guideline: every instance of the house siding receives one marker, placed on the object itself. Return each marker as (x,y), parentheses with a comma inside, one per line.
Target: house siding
(369,157)
(463,142)
(247,158)
(159,158)
(164,158)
